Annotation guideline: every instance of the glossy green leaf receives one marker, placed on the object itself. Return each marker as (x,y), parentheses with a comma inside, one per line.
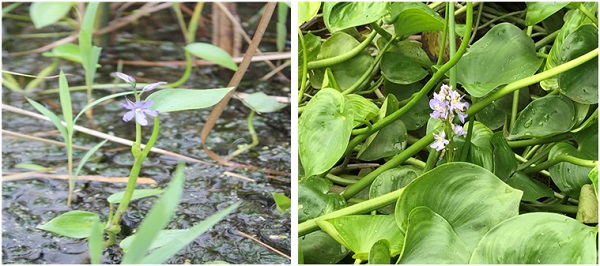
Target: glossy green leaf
(413,17)
(538,11)
(498,112)
(156,219)
(380,252)
(177,243)
(387,142)
(342,15)
(359,232)
(580,84)
(481,151)
(95,242)
(430,239)
(320,248)
(137,194)
(406,63)
(504,159)
(313,199)
(73,224)
(532,189)
(363,108)
(573,20)
(513,58)
(323,131)
(568,177)
(587,141)
(392,180)
(46,13)
(163,238)
(262,103)
(172,100)
(313,47)
(470,198)
(538,238)
(283,202)
(67,51)
(212,53)
(544,117)
(307,10)
(346,73)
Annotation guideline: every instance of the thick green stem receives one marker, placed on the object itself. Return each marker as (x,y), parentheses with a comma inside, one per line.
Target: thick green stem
(186,73)
(343,57)
(304,66)
(536,141)
(559,159)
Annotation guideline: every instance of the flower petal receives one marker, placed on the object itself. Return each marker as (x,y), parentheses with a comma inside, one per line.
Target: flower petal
(146,104)
(125,77)
(141,118)
(150,112)
(152,86)
(128,116)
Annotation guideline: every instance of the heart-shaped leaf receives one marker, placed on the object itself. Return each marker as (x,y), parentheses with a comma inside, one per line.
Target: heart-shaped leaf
(172,100)
(413,17)
(470,198)
(342,15)
(359,232)
(313,199)
(567,176)
(405,64)
(392,180)
(307,10)
(544,117)
(513,58)
(543,238)
(380,252)
(580,84)
(46,13)
(323,131)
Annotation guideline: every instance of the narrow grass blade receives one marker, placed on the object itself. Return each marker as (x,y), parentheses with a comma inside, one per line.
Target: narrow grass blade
(53,118)
(95,243)
(65,101)
(137,194)
(86,157)
(96,102)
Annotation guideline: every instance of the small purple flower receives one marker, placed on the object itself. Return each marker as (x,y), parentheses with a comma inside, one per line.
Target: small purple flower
(125,77)
(152,86)
(458,130)
(139,110)
(440,108)
(440,141)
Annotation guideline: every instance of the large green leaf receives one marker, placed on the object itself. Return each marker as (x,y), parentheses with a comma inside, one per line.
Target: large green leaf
(212,53)
(346,73)
(532,189)
(495,114)
(45,13)
(513,58)
(323,131)
(405,64)
(387,142)
(320,248)
(307,10)
(544,117)
(380,252)
(359,232)
(538,238)
(430,239)
(392,180)
(481,151)
(172,100)
(413,17)
(67,51)
(363,108)
(470,198)
(567,176)
(417,116)
(580,84)
(342,15)
(262,103)
(73,224)
(504,159)
(313,199)
(538,11)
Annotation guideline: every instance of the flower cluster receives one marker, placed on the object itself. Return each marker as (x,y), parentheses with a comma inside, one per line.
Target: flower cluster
(446,105)
(140,108)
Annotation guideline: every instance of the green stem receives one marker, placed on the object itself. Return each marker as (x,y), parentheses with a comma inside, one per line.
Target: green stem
(546,40)
(423,92)
(452,41)
(431,160)
(536,141)
(133,175)
(339,180)
(531,80)
(559,159)
(343,57)
(70,167)
(193,26)
(384,34)
(304,66)
(363,207)
(369,71)
(186,73)
(587,14)
(551,207)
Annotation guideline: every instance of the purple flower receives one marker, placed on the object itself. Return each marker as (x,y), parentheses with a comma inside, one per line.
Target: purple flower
(125,77)
(440,141)
(139,110)
(152,86)
(440,108)
(458,130)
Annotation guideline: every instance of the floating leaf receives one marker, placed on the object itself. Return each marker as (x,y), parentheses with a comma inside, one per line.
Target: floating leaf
(580,84)
(212,53)
(359,232)
(342,15)
(46,13)
(513,58)
(262,103)
(544,117)
(323,131)
(172,100)
(543,238)
(470,198)
(430,239)
(73,224)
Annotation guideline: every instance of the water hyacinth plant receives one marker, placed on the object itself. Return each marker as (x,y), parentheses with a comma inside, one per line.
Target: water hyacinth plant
(447,133)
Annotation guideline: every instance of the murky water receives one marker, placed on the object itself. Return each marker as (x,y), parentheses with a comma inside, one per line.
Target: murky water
(31,202)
